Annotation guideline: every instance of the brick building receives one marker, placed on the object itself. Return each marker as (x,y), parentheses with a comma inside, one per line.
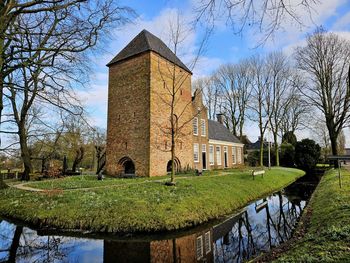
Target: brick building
(148,82)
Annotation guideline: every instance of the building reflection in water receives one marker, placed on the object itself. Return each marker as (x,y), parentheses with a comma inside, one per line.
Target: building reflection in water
(260,227)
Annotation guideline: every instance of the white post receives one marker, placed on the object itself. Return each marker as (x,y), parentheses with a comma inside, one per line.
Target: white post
(269,146)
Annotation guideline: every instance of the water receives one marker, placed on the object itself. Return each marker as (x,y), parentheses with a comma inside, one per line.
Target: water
(260,226)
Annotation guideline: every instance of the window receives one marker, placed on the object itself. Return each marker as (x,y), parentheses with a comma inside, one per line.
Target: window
(233,155)
(195,153)
(203,129)
(218,155)
(207,242)
(211,154)
(204,148)
(195,126)
(199,247)
(239,155)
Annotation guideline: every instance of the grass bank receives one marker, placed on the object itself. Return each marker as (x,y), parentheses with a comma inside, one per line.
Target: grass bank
(143,206)
(328,234)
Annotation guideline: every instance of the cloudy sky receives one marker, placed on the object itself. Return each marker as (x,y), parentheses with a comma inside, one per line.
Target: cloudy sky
(224,44)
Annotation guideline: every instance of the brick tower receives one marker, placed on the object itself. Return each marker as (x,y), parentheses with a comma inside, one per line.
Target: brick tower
(141,80)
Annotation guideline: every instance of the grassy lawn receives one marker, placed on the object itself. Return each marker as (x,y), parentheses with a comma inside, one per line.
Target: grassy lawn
(328,236)
(90,181)
(149,206)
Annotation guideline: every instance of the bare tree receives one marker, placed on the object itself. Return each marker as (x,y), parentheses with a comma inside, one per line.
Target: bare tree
(279,71)
(211,94)
(265,15)
(43,50)
(175,81)
(234,82)
(325,61)
(260,104)
(297,110)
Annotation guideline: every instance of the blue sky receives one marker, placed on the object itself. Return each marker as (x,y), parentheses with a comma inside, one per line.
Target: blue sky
(223,47)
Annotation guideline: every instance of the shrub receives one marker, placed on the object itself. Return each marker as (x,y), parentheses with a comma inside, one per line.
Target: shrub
(307,154)
(289,137)
(287,156)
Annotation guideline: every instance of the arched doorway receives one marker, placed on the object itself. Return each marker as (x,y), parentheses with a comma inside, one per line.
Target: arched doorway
(128,166)
(170,165)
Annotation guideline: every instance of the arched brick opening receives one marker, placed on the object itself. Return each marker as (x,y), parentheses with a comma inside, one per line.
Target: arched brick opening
(177,165)
(128,166)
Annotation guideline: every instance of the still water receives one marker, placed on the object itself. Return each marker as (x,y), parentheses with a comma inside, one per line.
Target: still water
(260,226)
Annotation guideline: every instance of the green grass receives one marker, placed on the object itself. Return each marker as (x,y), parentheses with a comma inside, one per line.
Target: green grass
(148,206)
(90,181)
(328,236)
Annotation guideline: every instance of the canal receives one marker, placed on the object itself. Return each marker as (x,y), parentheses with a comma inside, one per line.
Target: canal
(257,228)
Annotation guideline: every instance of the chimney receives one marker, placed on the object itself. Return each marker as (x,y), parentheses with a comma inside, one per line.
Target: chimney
(220,117)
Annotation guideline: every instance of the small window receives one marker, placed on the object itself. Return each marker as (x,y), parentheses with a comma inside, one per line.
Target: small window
(195,126)
(211,154)
(204,148)
(233,155)
(196,152)
(199,247)
(218,155)
(203,128)
(207,242)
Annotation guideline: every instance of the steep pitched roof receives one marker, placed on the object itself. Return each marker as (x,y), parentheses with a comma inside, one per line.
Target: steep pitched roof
(145,41)
(219,132)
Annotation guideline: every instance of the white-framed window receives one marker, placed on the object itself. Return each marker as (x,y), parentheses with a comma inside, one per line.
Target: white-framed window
(207,242)
(203,128)
(199,247)
(233,155)
(211,154)
(196,152)
(204,148)
(195,126)
(218,155)
(239,155)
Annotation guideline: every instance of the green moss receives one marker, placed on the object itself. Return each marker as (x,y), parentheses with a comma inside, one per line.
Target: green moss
(143,205)
(328,236)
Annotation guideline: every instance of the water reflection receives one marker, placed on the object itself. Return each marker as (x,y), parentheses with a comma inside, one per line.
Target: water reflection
(261,226)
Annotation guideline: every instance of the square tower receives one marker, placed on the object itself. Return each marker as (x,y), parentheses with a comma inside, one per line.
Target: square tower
(146,83)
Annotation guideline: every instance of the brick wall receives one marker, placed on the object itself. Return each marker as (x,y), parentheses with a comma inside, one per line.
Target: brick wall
(128,127)
(163,75)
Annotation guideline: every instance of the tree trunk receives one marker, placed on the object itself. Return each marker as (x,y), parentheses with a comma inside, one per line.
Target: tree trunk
(79,155)
(15,244)
(276,149)
(334,145)
(261,149)
(25,154)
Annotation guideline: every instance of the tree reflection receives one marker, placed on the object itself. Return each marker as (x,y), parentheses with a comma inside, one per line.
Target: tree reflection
(23,244)
(260,228)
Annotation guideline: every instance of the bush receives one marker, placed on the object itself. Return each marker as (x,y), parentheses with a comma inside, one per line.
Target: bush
(289,137)
(253,158)
(287,156)
(307,154)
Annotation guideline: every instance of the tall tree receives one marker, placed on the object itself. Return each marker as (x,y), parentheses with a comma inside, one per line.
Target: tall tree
(43,47)
(260,104)
(325,60)
(175,81)
(279,71)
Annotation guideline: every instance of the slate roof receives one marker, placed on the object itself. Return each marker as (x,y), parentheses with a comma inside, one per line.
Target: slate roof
(146,41)
(256,145)
(219,132)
